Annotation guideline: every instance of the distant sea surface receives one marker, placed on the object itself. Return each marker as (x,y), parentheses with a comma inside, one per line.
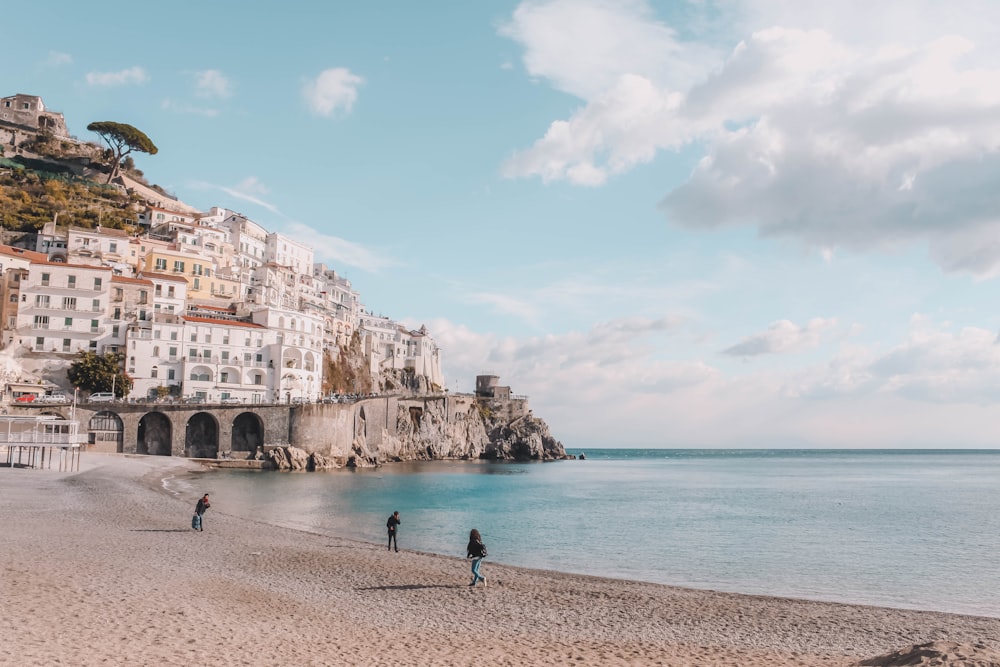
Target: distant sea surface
(915,529)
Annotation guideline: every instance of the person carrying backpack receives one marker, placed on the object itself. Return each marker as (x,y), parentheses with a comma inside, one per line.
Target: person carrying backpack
(199,512)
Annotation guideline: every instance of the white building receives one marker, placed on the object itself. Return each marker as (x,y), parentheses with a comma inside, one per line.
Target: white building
(63,308)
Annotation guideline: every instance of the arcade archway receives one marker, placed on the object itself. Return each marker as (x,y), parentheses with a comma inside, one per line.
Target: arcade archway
(201,439)
(154,436)
(248,433)
(105,432)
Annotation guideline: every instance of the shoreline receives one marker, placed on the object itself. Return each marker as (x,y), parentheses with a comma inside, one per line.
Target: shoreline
(103,566)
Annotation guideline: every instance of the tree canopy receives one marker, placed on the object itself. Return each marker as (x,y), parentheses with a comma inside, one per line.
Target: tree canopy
(93,372)
(122,139)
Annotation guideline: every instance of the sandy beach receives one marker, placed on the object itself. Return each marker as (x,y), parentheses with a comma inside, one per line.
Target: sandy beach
(101,567)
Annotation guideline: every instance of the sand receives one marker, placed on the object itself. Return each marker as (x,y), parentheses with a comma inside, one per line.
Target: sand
(101,567)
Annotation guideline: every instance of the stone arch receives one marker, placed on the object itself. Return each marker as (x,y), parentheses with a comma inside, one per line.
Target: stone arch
(155,435)
(201,438)
(105,432)
(248,433)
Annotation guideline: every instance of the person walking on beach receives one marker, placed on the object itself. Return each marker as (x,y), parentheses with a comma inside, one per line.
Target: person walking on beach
(199,511)
(477,552)
(391,525)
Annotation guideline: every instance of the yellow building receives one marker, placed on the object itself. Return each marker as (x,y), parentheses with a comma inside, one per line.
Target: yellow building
(203,281)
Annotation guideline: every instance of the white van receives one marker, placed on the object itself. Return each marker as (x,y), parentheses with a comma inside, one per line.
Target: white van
(101,397)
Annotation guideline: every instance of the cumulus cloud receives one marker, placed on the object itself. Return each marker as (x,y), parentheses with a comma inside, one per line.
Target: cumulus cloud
(333,90)
(783,336)
(213,84)
(126,77)
(811,127)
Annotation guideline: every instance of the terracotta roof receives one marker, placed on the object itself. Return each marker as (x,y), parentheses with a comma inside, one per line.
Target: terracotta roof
(163,276)
(231,323)
(132,281)
(21,252)
(71,266)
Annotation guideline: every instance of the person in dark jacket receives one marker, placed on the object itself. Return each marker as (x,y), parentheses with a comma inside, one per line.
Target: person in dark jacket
(200,508)
(391,525)
(477,552)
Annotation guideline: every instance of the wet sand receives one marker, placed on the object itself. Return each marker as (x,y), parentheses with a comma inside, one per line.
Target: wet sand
(101,567)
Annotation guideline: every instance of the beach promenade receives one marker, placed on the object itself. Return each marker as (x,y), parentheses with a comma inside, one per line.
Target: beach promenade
(100,567)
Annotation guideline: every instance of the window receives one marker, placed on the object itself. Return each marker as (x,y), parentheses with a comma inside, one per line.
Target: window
(95,305)
(41,322)
(192,354)
(94,326)
(225,339)
(158,290)
(66,344)
(170,291)
(170,374)
(173,335)
(69,303)
(71,282)
(223,376)
(93,346)
(178,266)
(197,283)
(41,300)
(143,296)
(113,247)
(152,373)
(68,323)
(40,343)
(97,284)
(194,337)
(13,298)
(208,338)
(258,379)
(172,353)
(225,355)
(156,350)
(85,241)
(161,264)
(45,279)
(115,331)
(119,294)
(116,314)
(11,321)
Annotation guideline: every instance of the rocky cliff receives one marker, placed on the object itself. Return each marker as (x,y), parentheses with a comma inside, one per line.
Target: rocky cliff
(421,429)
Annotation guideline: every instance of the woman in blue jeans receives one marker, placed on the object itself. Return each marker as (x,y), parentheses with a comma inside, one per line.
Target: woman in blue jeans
(477,552)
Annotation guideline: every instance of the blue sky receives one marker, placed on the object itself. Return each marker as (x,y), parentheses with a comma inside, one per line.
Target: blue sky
(686,224)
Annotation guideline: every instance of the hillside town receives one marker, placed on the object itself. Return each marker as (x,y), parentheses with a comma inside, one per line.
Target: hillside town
(200,306)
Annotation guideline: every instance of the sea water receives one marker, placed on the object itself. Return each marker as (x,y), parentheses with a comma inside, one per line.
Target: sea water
(910,529)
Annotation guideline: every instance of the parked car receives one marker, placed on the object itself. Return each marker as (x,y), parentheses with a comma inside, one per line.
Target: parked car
(300,400)
(101,397)
(231,400)
(25,398)
(194,399)
(54,397)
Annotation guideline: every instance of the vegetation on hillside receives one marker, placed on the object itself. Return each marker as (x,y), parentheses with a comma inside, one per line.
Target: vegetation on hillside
(29,199)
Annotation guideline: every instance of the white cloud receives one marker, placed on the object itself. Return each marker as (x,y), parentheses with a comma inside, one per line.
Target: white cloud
(811,129)
(610,386)
(213,84)
(58,59)
(338,251)
(131,76)
(250,189)
(783,337)
(333,90)
(179,107)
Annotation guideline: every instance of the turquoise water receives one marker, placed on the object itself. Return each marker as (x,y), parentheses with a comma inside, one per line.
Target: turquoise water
(911,529)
